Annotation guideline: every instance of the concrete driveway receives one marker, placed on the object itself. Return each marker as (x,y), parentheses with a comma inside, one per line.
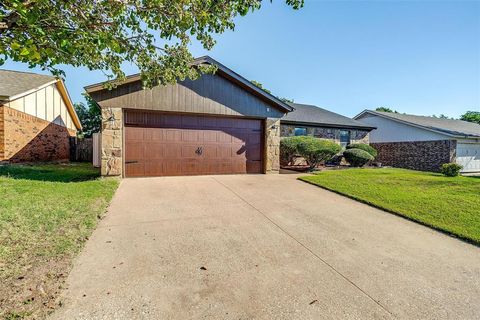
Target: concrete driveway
(264,247)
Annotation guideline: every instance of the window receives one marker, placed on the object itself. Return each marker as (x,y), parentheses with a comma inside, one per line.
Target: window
(344,138)
(300,131)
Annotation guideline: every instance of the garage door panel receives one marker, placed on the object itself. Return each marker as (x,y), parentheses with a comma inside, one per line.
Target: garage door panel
(169,146)
(254,138)
(154,135)
(156,151)
(190,135)
(134,151)
(224,137)
(188,151)
(134,134)
(135,169)
(254,152)
(210,151)
(154,168)
(254,166)
(172,135)
(210,135)
(191,166)
(468,156)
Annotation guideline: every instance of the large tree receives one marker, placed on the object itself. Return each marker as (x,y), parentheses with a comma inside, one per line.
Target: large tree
(471,116)
(101,35)
(90,116)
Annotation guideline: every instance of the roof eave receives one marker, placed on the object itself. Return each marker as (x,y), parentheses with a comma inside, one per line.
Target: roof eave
(68,102)
(409,123)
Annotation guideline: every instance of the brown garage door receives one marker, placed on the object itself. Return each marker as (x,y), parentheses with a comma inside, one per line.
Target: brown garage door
(169,145)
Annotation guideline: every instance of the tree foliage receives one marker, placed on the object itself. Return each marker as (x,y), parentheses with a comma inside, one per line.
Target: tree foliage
(385,109)
(365,147)
(357,157)
(289,149)
(90,116)
(101,35)
(471,116)
(259,85)
(315,150)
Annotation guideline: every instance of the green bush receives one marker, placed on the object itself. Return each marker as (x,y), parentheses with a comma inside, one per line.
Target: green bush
(289,149)
(315,150)
(451,169)
(357,157)
(365,147)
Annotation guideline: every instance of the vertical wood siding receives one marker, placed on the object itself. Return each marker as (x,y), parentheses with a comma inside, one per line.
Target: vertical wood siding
(210,94)
(46,104)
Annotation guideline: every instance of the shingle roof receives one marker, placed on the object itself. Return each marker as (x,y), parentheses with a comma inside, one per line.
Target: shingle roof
(13,83)
(313,115)
(448,126)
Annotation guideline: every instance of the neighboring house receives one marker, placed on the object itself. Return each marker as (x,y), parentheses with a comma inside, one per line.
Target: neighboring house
(314,121)
(423,143)
(36,118)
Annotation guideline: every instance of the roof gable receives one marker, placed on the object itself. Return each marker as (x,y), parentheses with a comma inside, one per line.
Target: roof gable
(222,71)
(450,127)
(313,115)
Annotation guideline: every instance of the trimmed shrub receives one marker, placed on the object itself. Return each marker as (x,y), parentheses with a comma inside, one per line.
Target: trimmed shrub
(315,150)
(288,149)
(450,169)
(365,147)
(357,157)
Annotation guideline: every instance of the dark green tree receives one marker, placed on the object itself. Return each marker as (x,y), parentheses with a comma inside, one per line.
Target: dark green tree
(90,116)
(101,35)
(385,109)
(471,116)
(259,85)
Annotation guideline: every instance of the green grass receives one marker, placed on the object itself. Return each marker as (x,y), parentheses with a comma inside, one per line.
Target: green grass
(448,204)
(46,214)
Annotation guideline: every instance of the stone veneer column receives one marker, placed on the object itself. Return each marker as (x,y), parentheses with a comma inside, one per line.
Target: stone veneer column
(272,145)
(112,142)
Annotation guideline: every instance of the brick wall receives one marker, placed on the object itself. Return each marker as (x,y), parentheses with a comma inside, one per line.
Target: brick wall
(29,139)
(356,136)
(416,155)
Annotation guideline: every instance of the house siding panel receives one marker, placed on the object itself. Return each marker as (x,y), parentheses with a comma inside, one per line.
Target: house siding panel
(210,94)
(394,131)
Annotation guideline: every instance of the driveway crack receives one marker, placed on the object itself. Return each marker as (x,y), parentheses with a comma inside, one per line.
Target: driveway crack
(331,267)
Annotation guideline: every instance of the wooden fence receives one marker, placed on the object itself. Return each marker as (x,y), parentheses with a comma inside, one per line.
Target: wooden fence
(81,149)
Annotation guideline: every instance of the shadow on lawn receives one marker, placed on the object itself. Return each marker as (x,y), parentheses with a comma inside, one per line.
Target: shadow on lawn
(59,172)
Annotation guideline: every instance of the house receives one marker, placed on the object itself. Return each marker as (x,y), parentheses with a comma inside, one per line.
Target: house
(36,118)
(315,121)
(423,143)
(220,123)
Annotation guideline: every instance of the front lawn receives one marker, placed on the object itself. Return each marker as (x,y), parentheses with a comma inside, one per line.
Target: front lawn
(448,204)
(46,214)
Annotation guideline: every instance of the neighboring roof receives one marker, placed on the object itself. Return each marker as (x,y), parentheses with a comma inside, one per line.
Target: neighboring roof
(221,70)
(451,127)
(16,84)
(313,115)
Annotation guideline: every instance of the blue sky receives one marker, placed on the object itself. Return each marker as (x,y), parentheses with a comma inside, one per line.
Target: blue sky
(415,57)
